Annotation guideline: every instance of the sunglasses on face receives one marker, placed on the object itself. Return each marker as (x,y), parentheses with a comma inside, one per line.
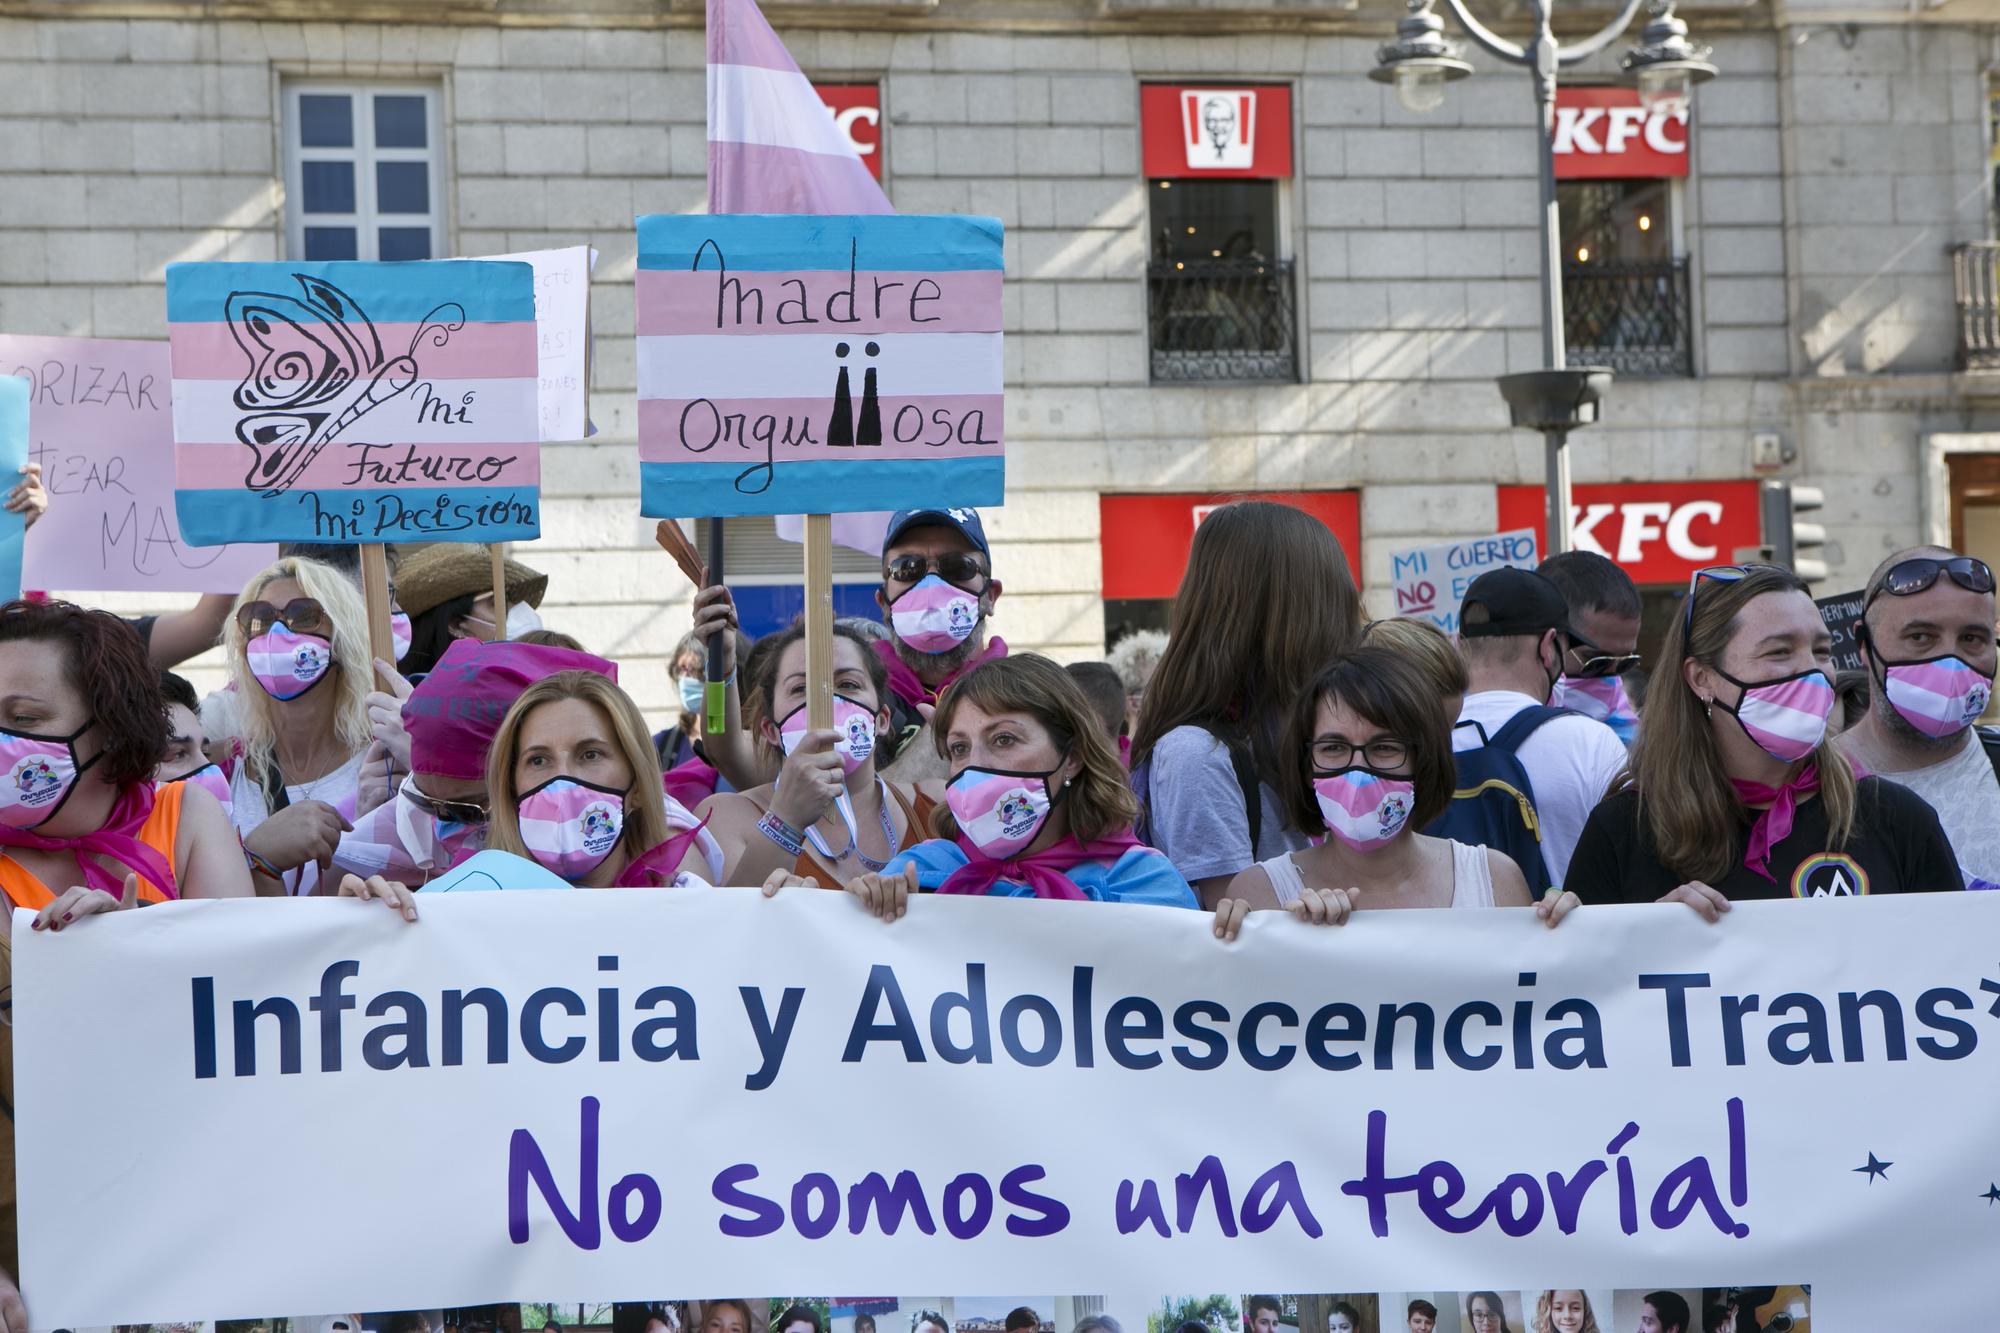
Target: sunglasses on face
(301,615)
(450,812)
(1920,572)
(1597,663)
(954,567)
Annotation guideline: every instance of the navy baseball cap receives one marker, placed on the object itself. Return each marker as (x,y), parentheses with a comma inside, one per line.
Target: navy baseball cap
(966,521)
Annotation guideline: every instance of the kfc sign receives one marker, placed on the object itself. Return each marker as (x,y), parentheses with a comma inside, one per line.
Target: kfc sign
(1193,131)
(857,110)
(1659,532)
(1144,539)
(1605,133)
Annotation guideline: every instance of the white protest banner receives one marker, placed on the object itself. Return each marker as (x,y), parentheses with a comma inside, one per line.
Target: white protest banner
(1430,581)
(310,1105)
(562,336)
(102,428)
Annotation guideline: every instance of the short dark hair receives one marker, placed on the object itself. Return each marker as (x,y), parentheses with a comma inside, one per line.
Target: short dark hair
(1589,582)
(1022,1316)
(1422,1307)
(1672,1309)
(1101,684)
(1256,1303)
(798,1314)
(178,691)
(120,688)
(1394,694)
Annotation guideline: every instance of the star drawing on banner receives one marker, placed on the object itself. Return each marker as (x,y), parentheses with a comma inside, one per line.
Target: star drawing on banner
(1991,988)
(1876,1167)
(1992,1195)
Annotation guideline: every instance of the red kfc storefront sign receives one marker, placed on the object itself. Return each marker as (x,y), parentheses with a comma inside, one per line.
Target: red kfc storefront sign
(857,110)
(1195,130)
(1658,531)
(1606,133)
(1144,538)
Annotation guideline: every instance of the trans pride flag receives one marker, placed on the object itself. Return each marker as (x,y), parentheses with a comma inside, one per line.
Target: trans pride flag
(355,402)
(818,364)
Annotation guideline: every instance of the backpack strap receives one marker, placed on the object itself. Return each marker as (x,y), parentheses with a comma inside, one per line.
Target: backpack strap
(1241,764)
(1523,725)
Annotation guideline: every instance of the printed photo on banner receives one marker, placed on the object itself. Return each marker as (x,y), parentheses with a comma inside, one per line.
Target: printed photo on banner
(1418,1311)
(102,427)
(355,402)
(1004,1314)
(890,1314)
(818,364)
(1196,1314)
(1339,1312)
(1567,1310)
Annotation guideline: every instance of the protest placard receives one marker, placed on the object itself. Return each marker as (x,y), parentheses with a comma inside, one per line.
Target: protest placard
(1842,615)
(818,364)
(355,402)
(562,336)
(1429,582)
(13,456)
(993,1096)
(102,428)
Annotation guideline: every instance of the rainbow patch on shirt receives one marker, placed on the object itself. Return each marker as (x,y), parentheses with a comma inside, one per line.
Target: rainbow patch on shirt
(1829,875)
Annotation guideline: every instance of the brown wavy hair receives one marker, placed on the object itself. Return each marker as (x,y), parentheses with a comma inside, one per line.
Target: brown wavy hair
(1100,800)
(1395,694)
(1685,800)
(107,663)
(1266,603)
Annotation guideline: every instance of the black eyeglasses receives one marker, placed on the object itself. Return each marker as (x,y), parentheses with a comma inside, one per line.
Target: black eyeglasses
(955,567)
(1330,756)
(301,615)
(450,812)
(1915,575)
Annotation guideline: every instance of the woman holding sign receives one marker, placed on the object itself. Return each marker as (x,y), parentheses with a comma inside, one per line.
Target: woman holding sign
(828,817)
(1037,805)
(1732,790)
(1367,762)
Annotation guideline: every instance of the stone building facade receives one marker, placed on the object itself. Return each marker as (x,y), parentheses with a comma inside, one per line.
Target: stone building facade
(1833,166)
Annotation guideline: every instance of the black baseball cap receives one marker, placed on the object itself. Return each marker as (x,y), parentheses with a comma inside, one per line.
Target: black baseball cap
(1517,601)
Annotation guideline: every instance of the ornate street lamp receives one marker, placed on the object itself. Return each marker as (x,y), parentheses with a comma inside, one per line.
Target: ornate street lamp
(1666,65)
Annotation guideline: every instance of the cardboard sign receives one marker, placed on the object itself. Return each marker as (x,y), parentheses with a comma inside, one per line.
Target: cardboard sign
(1429,582)
(576,1109)
(818,365)
(356,402)
(562,337)
(102,428)
(1842,615)
(13,457)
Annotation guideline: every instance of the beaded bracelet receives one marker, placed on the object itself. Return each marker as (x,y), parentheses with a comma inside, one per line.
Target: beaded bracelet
(778,831)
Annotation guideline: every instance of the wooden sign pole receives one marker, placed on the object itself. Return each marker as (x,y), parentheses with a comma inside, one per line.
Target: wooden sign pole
(499,590)
(375,588)
(819,621)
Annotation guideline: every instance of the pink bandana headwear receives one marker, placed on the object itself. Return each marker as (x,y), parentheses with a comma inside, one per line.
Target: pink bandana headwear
(906,685)
(1042,871)
(117,838)
(455,710)
(1773,825)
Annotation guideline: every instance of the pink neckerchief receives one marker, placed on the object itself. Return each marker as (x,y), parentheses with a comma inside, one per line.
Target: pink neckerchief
(658,866)
(1773,825)
(906,685)
(1041,871)
(116,838)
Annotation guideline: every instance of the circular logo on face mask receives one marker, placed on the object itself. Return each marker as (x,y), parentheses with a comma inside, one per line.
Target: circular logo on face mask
(305,662)
(35,781)
(600,829)
(1395,813)
(1017,813)
(959,614)
(860,737)
(1829,875)
(1975,703)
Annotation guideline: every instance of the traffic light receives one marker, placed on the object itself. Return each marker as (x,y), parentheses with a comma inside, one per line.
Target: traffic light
(1794,543)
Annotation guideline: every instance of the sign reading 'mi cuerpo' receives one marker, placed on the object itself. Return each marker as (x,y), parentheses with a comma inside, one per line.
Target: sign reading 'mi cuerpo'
(995,1096)
(818,364)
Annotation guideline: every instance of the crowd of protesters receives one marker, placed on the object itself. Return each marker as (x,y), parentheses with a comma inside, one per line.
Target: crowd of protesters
(1274,751)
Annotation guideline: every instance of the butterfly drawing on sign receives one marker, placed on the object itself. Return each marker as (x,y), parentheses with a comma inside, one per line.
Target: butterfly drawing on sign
(317,366)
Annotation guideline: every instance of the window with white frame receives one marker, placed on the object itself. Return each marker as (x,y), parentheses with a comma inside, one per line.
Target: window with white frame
(362,171)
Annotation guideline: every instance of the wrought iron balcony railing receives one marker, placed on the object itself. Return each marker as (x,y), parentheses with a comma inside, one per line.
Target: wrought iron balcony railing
(1975,283)
(1630,314)
(1222,319)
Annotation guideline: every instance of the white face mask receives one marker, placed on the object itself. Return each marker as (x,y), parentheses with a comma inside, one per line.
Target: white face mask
(521,618)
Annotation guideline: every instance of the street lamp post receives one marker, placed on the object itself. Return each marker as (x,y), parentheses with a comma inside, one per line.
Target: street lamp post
(1559,397)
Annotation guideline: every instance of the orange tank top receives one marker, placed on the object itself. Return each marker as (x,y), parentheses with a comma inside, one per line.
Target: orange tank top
(161,829)
(917,821)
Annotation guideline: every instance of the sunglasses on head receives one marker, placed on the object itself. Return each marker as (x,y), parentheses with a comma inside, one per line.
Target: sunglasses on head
(301,615)
(954,567)
(1713,574)
(1917,574)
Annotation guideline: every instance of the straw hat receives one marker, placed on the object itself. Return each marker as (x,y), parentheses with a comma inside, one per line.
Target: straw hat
(430,577)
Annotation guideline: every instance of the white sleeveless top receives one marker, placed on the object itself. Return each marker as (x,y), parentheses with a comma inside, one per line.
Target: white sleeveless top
(1471,877)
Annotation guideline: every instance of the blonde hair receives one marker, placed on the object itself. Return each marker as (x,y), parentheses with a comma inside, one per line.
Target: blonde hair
(1136,656)
(1544,1324)
(351,676)
(646,824)
(1425,647)
(1685,799)
(1100,801)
